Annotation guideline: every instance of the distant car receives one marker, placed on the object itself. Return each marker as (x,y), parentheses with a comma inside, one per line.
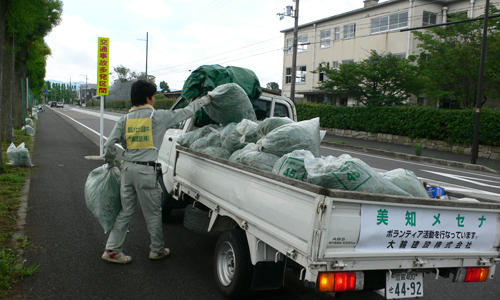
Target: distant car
(53,104)
(60,104)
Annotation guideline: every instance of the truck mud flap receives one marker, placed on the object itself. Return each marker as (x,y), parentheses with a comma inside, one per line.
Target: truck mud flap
(268,275)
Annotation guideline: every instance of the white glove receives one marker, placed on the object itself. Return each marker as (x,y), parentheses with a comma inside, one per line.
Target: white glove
(205,100)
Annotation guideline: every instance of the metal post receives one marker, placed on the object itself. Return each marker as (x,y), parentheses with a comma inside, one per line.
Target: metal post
(147,56)
(475,141)
(294,57)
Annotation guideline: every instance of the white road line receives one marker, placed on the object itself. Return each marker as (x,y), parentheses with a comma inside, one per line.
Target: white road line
(106,116)
(91,130)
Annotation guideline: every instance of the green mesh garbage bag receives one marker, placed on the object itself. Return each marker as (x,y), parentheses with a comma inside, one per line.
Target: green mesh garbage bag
(217,151)
(188,138)
(293,136)
(407,181)
(102,195)
(257,159)
(347,173)
(229,104)
(19,156)
(199,145)
(236,155)
(248,131)
(292,165)
(232,140)
(270,124)
(28,130)
(214,139)
(29,122)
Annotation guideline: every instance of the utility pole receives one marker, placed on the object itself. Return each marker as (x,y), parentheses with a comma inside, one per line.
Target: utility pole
(475,141)
(146,54)
(294,46)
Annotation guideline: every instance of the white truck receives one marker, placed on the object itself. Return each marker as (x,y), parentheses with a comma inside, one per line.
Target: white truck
(338,240)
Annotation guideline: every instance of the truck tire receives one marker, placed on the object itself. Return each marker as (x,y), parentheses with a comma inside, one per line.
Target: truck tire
(197,220)
(233,268)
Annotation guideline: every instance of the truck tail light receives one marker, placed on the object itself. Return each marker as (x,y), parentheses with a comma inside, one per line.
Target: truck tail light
(472,275)
(476,274)
(340,281)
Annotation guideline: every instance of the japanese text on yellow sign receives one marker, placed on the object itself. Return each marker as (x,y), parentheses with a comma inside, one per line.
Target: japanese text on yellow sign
(103,66)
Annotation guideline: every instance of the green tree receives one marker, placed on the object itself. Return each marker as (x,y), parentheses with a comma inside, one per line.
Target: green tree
(26,23)
(164,87)
(451,56)
(379,80)
(273,86)
(122,72)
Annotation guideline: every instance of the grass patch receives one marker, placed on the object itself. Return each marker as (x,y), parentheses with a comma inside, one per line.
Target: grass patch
(338,142)
(12,270)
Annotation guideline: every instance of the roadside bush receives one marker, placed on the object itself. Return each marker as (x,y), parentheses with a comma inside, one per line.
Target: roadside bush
(453,126)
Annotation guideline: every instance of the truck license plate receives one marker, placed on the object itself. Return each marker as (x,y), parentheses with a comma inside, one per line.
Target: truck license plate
(404,285)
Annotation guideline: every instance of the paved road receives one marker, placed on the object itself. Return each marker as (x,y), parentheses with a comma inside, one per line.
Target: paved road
(67,241)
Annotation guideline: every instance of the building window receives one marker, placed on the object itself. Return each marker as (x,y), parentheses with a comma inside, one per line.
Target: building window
(325,38)
(349,31)
(289,46)
(399,55)
(322,75)
(390,22)
(335,65)
(336,33)
(301,40)
(301,74)
(348,61)
(343,101)
(288,78)
(421,101)
(429,18)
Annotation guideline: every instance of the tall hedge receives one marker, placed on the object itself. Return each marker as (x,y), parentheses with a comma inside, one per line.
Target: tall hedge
(452,126)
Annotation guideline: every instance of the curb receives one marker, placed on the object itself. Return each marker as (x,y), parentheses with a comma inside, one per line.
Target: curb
(21,219)
(415,158)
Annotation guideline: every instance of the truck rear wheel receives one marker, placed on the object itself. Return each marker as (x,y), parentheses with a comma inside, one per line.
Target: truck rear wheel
(233,267)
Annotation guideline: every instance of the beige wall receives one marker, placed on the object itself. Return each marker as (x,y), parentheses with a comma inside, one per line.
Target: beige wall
(359,47)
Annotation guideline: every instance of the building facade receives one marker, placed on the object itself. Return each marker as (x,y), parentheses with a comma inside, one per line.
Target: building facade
(349,37)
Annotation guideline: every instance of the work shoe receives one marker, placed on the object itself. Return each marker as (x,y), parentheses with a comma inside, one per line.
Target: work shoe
(116,257)
(155,255)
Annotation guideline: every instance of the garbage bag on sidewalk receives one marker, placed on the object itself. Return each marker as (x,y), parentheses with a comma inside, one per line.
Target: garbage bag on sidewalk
(285,139)
(28,130)
(348,173)
(102,195)
(292,165)
(19,156)
(229,104)
(29,122)
(407,181)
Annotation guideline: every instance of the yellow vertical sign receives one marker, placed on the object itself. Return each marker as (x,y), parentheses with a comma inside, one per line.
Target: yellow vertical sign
(103,66)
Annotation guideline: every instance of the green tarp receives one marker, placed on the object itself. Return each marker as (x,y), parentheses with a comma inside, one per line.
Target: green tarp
(208,77)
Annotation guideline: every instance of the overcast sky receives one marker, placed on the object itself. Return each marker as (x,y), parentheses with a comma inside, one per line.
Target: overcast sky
(183,35)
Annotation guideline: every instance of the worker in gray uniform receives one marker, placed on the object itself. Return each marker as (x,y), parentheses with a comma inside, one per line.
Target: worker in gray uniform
(141,134)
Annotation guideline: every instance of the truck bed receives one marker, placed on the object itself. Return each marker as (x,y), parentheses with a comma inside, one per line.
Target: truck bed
(324,229)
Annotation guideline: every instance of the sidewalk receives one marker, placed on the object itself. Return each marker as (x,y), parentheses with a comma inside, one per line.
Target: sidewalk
(407,152)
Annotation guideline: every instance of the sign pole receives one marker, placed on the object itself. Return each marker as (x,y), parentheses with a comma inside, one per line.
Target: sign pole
(101,152)
(102,81)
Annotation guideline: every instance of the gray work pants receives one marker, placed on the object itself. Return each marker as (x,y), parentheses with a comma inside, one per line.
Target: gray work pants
(138,183)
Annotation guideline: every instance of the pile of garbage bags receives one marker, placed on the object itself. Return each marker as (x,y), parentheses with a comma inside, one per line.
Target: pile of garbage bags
(19,156)
(102,195)
(288,148)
